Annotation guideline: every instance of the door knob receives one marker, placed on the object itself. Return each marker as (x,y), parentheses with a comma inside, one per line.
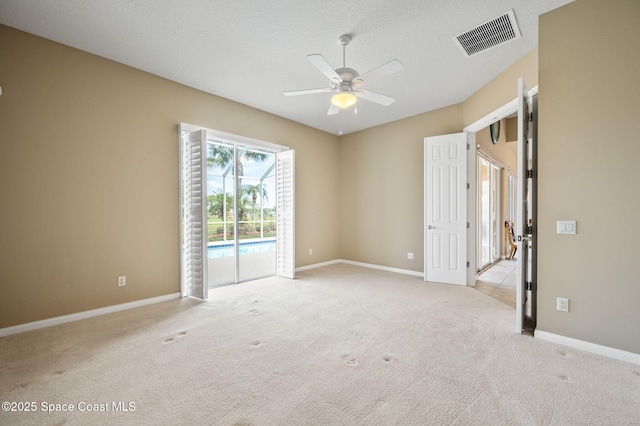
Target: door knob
(431,227)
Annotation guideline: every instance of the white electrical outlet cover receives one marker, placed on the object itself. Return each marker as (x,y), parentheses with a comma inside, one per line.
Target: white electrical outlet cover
(562,304)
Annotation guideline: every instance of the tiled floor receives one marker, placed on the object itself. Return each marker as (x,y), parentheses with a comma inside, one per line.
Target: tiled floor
(499,282)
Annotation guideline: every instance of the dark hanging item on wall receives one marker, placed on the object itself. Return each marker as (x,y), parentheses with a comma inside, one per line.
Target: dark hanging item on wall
(494,129)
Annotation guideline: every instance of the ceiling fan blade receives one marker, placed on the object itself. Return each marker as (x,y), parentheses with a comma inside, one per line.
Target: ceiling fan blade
(321,63)
(307,91)
(333,110)
(374,97)
(382,71)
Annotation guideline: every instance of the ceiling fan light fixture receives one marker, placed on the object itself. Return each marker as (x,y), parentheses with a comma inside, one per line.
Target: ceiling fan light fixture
(344,99)
(344,80)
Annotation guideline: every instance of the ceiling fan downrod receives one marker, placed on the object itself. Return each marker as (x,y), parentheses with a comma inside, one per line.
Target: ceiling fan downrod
(343,41)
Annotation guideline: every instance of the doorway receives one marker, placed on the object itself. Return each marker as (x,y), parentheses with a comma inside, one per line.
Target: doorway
(237,198)
(525,107)
(496,180)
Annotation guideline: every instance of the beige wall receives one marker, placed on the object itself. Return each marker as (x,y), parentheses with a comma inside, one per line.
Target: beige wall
(503,152)
(381,189)
(89,178)
(502,89)
(589,152)
(512,129)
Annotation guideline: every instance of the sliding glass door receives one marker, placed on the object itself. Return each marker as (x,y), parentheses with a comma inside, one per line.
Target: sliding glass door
(488,212)
(513,198)
(237,218)
(256,213)
(241,212)
(221,212)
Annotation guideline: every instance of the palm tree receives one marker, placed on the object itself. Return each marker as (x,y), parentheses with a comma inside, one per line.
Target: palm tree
(254,190)
(216,204)
(222,156)
(251,192)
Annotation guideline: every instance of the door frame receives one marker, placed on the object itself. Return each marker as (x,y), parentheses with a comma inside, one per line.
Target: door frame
(498,114)
(236,140)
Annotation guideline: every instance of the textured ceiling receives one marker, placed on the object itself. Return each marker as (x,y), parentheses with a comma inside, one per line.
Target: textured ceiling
(252,51)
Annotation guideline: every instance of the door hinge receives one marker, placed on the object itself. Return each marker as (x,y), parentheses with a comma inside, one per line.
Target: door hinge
(530,173)
(529,230)
(467,263)
(468,225)
(468,185)
(468,147)
(530,116)
(529,285)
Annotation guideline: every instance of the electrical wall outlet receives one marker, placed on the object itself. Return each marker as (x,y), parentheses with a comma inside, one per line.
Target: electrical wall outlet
(562,304)
(310,251)
(122,281)
(410,256)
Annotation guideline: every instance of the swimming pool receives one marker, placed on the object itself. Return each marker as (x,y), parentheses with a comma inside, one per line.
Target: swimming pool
(226,250)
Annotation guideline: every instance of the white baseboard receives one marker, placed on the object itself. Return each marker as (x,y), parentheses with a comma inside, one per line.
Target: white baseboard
(384,268)
(366,265)
(588,347)
(317,265)
(83,315)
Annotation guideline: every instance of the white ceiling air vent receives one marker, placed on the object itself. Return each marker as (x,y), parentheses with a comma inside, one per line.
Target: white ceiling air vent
(490,34)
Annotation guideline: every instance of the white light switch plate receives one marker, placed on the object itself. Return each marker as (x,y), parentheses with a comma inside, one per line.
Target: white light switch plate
(566,227)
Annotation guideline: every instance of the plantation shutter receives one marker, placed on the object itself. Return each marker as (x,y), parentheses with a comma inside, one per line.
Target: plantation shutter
(194,214)
(285,190)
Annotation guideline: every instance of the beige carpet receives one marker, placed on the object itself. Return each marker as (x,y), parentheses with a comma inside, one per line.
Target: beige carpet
(340,345)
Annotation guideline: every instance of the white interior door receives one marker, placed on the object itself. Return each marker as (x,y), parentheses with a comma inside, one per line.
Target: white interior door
(445,207)
(285,192)
(524,198)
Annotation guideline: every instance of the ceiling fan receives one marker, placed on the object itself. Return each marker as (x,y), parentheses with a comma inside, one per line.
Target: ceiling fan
(346,82)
